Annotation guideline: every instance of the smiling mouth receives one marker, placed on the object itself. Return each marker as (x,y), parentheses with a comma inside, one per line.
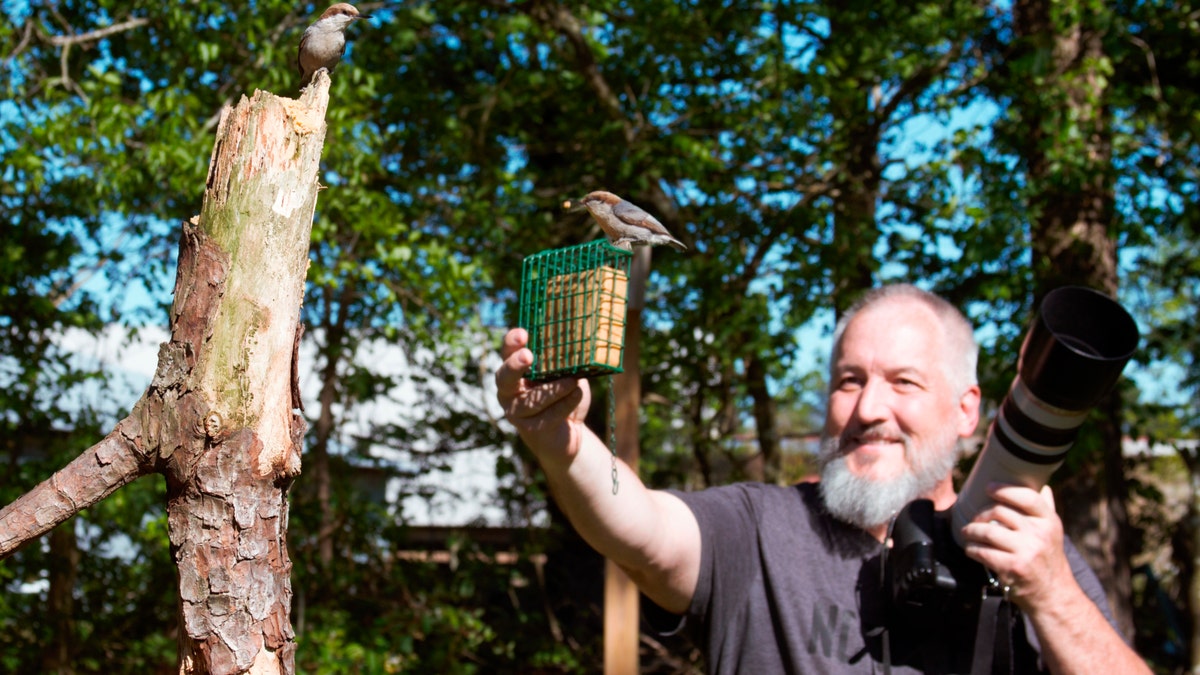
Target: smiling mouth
(875,441)
(854,443)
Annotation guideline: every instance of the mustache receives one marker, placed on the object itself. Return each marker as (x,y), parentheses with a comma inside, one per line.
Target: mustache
(870,434)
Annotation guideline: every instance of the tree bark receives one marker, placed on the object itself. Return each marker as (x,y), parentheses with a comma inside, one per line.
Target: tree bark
(1191,574)
(764,419)
(850,255)
(227,509)
(855,181)
(1186,544)
(58,658)
(93,475)
(219,419)
(1067,148)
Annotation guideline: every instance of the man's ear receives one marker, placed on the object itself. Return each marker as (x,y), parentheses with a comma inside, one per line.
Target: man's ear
(968,407)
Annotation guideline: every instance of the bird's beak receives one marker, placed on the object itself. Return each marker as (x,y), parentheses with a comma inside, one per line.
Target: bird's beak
(573,205)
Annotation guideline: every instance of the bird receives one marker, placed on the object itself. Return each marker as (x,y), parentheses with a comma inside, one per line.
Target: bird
(324,42)
(625,223)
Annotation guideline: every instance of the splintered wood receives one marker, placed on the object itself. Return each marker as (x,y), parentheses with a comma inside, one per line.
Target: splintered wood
(584,322)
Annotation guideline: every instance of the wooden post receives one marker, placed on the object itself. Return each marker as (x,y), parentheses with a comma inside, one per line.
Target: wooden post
(621,617)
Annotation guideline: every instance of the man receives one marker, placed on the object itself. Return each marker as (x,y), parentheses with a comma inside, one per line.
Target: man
(788,579)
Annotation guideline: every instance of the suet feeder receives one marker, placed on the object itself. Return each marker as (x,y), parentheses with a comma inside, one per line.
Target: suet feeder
(573,306)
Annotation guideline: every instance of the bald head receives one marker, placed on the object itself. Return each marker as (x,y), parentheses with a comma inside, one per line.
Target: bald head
(961,352)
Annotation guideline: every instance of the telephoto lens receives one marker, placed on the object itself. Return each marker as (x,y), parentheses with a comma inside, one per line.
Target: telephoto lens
(1071,358)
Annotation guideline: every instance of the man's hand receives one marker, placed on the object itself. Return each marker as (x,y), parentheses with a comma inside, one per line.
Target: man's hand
(1020,538)
(544,414)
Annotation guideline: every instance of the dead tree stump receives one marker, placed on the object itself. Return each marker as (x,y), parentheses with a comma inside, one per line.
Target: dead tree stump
(221,418)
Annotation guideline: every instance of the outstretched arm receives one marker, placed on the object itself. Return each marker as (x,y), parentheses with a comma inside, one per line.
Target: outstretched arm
(1020,538)
(651,534)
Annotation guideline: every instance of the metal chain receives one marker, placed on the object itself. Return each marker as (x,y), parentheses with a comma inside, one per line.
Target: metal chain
(612,431)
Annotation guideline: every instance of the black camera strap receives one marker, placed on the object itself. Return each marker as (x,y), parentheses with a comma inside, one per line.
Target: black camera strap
(993,638)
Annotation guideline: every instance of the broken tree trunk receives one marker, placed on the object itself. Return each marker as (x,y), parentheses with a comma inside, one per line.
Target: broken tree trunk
(220,418)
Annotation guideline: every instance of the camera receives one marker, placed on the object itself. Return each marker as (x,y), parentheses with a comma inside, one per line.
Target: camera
(926,569)
(1071,358)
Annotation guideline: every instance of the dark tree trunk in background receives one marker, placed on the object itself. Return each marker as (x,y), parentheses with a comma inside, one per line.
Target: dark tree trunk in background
(764,419)
(1068,154)
(334,353)
(855,226)
(58,658)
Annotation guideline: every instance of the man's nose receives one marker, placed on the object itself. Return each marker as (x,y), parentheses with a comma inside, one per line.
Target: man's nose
(872,404)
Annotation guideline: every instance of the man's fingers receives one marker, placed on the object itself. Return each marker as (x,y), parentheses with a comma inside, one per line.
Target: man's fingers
(513,340)
(994,534)
(1048,496)
(517,360)
(1001,515)
(1021,499)
(546,399)
(508,376)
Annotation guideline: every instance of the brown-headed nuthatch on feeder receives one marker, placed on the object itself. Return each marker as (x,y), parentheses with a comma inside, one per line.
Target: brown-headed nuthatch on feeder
(626,224)
(324,41)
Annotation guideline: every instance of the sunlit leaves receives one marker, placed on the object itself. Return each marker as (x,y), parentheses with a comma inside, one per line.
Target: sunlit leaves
(456,131)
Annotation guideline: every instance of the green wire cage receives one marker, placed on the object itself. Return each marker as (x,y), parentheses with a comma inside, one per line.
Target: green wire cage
(573,306)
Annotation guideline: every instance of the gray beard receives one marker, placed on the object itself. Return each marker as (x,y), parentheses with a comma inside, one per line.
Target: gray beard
(868,503)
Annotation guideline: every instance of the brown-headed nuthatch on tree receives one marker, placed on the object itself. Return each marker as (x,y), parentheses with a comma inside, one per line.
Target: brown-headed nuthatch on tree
(626,224)
(324,42)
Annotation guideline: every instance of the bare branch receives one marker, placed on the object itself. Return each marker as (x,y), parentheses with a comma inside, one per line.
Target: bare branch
(808,195)
(95,474)
(98,34)
(58,297)
(1151,64)
(562,20)
(910,88)
(26,36)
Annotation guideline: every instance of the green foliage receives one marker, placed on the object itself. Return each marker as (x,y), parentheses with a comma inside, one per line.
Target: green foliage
(124,597)
(785,143)
(391,613)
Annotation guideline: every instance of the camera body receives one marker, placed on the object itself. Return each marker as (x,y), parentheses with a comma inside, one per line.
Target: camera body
(933,593)
(927,570)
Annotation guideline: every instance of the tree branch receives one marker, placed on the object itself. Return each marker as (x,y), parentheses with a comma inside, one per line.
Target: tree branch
(808,195)
(564,22)
(98,34)
(95,474)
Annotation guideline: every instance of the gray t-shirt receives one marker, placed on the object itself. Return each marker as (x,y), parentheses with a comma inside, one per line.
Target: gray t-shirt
(786,588)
